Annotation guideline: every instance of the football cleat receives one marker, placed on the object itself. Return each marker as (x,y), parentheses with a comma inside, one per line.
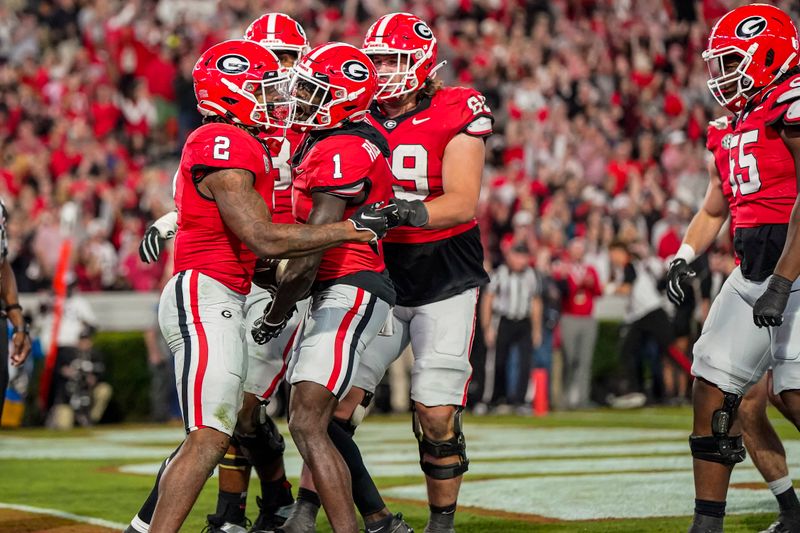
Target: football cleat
(226,527)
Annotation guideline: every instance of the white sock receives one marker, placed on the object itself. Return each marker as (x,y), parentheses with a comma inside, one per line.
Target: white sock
(779,486)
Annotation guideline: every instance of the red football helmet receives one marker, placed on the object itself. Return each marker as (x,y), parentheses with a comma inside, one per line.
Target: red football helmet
(334,82)
(243,82)
(279,33)
(412,41)
(749,48)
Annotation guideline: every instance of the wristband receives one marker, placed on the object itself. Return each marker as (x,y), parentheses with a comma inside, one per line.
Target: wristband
(25,329)
(686,252)
(11,307)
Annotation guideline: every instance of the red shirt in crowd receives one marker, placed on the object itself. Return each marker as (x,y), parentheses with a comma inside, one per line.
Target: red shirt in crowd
(583,286)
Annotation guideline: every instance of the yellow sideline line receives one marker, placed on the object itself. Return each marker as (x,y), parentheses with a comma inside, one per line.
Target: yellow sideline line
(61,514)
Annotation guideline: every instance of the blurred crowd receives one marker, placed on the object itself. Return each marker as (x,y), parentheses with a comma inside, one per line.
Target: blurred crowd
(601,108)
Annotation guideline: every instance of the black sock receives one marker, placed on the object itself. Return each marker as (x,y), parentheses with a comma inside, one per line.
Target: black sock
(276,494)
(230,508)
(709,508)
(365,494)
(788,500)
(309,496)
(379,526)
(442,518)
(147,509)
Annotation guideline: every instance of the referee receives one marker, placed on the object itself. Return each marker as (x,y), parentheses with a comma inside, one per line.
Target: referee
(12,310)
(514,295)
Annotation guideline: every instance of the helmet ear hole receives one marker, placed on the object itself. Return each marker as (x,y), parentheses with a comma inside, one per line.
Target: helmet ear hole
(770,59)
(229,100)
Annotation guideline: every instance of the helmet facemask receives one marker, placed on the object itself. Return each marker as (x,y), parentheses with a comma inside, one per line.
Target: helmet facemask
(313,99)
(272,105)
(404,79)
(728,81)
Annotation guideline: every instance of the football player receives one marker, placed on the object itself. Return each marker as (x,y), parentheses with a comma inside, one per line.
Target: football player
(435,135)
(753,57)
(263,444)
(223,194)
(760,439)
(341,165)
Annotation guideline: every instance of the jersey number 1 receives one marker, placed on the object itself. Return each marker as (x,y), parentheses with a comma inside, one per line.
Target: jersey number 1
(741,161)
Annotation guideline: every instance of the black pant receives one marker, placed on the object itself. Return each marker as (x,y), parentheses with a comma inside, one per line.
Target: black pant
(654,326)
(510,334)
(3,363)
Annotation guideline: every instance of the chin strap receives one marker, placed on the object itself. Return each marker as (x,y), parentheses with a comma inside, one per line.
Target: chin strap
(435,69)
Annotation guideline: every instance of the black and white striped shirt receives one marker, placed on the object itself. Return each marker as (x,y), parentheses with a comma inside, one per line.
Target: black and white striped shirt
(513,292)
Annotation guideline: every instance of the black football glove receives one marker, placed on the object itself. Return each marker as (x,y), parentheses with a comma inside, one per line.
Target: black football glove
(151,245)
(265,275)
(264,331)
(374,219)
(406,213)
(768,309)
(679,271)
(156,235)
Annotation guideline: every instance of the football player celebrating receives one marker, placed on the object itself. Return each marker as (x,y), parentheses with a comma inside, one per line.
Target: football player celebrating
(256,441)
(760,438)
(222,193)
(341,165)
(435,135)
(752,55)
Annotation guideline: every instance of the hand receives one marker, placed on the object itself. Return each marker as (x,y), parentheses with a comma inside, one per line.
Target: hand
(537,339)
(679,271)
(489,337)
(21,342)
(372,219)
(265,275)
(264,331)
(156,235)
(768,309)
(405,213)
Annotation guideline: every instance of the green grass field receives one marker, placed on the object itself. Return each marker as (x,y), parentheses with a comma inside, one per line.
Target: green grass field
(593,471)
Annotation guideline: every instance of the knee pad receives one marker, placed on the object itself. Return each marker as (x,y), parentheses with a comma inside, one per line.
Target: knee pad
(721,447)
(358,414)
(454,446)
(265,444)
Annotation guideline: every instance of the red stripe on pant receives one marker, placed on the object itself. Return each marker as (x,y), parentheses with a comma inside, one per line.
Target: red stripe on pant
(340,335)
(202,361)
(469,348)
(277,379)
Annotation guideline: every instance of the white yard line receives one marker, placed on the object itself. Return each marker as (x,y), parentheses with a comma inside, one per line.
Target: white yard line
(61,514)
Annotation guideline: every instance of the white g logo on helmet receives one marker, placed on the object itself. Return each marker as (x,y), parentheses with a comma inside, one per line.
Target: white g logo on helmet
(233,64)
(422,29)
(751,26)
(355,70)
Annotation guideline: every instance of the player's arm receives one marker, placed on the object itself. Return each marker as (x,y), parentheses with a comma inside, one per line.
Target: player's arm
(20,341)
(156,236)
(462,169)
(300,273)
(245,213)
(768,309)
(702,231)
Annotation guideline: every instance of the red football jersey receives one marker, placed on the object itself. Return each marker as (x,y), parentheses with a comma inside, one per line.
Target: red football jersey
(202,241)
(344,165)
(762,171)
(417,140)
(718,142)
(282,171)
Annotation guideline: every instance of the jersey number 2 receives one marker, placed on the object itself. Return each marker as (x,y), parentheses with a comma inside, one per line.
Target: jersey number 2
(221,145)
(744,178)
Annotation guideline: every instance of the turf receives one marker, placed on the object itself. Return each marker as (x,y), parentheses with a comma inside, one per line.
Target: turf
(95,488)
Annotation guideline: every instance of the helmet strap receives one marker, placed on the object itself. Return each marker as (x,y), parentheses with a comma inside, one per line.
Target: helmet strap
(434,70)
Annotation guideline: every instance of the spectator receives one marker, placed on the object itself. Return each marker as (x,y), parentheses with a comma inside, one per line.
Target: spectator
(79,393)
(551,312)
(514,296)
(580,286)
(646,322)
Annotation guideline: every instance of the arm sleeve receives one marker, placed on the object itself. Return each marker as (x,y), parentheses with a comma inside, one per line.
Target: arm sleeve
(220,146)
(474,116)
(341,167)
